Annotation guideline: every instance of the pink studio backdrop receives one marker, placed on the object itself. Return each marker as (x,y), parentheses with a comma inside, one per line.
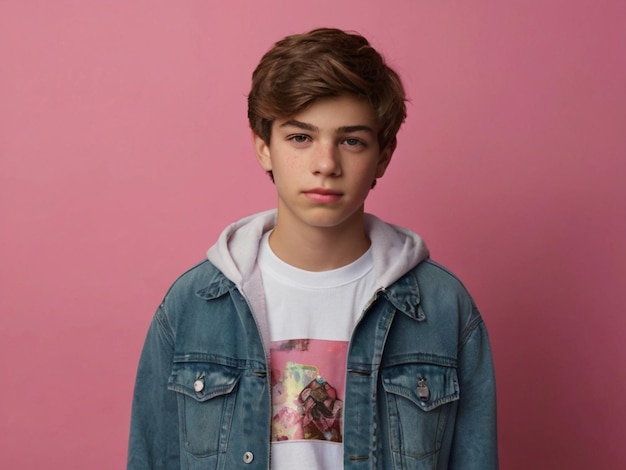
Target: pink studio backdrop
(124,150)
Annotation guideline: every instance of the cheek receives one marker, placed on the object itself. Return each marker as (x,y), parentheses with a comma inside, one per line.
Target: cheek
(287,171)
(287,166)
(366,172)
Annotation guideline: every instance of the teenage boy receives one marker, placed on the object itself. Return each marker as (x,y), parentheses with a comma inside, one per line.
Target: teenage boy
(317,336)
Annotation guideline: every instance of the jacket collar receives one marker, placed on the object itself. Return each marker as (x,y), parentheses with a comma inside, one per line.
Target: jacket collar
(404,295)
(216,287)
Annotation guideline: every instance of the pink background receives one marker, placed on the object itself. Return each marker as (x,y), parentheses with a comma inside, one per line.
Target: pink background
(124,150)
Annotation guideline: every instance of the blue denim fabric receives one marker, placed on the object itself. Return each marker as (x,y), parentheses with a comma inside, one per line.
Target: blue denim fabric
(420,390)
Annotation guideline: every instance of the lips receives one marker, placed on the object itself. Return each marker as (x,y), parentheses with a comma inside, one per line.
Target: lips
(322,195)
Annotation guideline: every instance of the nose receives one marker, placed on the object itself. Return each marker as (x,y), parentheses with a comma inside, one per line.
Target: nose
(326,160)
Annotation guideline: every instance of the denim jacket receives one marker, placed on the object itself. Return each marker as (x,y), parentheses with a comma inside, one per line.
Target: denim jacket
(420,390)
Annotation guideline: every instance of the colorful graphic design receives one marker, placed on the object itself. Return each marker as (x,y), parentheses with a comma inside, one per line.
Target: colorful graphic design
(307,399)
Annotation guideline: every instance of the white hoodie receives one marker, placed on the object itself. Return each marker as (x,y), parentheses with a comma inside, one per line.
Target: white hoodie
(396,250)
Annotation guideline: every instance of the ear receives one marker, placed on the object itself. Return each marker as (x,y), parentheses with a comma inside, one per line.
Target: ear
(262,150)
(383,159)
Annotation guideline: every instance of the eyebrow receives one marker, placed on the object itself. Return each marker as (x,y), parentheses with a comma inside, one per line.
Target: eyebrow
(311,128)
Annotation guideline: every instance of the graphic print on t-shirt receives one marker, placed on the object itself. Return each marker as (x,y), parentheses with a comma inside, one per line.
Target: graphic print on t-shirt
(308,389)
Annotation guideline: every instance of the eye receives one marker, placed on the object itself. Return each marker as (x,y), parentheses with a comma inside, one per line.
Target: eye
(299,138)
(353,142)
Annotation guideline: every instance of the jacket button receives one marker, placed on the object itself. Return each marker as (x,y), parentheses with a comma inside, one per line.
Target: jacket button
(423,392)
(248,457)
(198,385)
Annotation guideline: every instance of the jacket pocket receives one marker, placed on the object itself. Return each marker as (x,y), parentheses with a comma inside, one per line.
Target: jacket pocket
(419,397)
(206,400)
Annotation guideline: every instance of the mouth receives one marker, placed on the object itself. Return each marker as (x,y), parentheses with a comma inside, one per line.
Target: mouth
(322,195)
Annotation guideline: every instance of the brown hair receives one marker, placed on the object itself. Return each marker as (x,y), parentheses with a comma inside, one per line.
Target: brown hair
(319,64)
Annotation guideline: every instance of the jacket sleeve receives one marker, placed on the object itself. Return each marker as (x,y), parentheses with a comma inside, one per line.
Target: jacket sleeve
(474,444)
(154,440)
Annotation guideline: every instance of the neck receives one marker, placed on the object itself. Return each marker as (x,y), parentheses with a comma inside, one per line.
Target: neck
(319,249)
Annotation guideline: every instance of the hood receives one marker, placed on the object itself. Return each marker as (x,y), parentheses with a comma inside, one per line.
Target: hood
(396,250)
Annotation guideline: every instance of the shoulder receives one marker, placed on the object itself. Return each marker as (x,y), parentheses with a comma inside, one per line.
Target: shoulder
(197,284)
(202,273)
(442,294)
(446,315)
(432,275)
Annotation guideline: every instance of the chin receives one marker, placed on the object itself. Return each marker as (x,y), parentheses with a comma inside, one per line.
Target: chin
(330,221)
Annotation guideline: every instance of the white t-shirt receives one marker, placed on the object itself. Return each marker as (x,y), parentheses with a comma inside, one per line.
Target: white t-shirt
(311,318)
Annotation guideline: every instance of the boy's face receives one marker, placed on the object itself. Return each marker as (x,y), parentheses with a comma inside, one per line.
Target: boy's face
(324,160)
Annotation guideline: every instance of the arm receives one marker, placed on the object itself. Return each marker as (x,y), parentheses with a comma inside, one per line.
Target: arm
(154,441)
(474,444)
